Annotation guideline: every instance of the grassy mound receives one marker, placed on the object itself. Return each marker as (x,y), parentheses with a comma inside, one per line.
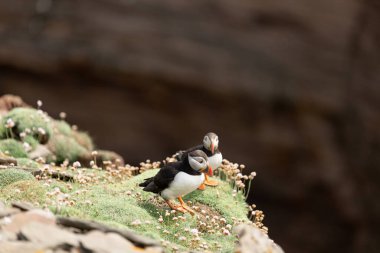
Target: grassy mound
(61,127)
(27,163)
(29,121)
(13,148)
(30,190)
(9,176)
(65,147)
(123,204)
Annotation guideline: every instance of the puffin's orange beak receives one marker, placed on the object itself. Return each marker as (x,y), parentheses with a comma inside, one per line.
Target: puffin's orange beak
(212,148)
(209,171)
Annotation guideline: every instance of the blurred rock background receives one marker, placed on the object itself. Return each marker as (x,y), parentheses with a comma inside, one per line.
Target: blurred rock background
(292,88)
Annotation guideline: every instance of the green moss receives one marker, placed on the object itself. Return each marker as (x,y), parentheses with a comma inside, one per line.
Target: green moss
(12,148)
(9,176)
(84,140)
(31,141)
(109,203)
(62,127)
(27,190)
(27,163)
(3,130)
(28,119)
(121,203)
(65,147)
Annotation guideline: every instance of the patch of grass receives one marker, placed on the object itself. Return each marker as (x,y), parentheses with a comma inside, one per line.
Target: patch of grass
(9,176)
(13,148)
(65,147)
(27,163)
(31,141)
(30,121)
(25,190)
(123,203)
(62,127)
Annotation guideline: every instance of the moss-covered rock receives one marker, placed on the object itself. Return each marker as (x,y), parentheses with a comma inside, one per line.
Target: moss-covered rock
(9,176)
(84,140)
(65,147)
(61,127)
(29,121)
(31,141)
(24,190)
(13,148)
(27,164)
(123,204)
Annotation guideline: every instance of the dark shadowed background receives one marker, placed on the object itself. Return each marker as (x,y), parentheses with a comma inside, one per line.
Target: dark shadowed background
(292,88)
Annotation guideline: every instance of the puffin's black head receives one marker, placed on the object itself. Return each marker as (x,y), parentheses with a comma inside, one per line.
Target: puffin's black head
(211,142)
(198,160)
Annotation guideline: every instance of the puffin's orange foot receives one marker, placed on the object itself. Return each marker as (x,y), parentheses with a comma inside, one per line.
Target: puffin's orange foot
(175,207)
(181,209)
(187,208)
(211,182)
(191,211)
(202,187)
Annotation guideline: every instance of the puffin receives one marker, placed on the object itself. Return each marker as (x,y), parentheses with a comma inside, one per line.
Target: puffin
(210,147)
(177,179)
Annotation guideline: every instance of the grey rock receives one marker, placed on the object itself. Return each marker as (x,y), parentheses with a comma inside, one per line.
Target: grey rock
(8,211)
(23,206)
(19,220)
(100,242)
(48,235)
(40,151)
(253,240)
(138,240)
(20,247)
(8,161)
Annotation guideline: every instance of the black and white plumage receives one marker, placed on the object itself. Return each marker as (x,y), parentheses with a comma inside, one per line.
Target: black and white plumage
(210,147)
(179,178)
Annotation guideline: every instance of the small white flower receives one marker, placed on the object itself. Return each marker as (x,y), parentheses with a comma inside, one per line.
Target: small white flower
(194,231)
(62,115)
(76,164)
(136,223)
(39,103)
(27,146)
(41,130)
(10,123)
(225,232)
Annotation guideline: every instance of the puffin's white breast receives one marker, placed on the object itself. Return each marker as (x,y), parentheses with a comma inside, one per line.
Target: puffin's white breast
(182,184)
(215,161)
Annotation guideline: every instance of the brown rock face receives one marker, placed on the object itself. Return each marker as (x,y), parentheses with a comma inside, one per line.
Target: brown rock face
(291,87)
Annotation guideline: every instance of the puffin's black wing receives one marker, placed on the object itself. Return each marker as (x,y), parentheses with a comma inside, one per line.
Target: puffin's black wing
(182,154)
(162,179)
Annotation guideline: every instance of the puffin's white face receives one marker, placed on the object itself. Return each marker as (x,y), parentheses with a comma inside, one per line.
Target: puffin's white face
(211,142)
(198,163)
